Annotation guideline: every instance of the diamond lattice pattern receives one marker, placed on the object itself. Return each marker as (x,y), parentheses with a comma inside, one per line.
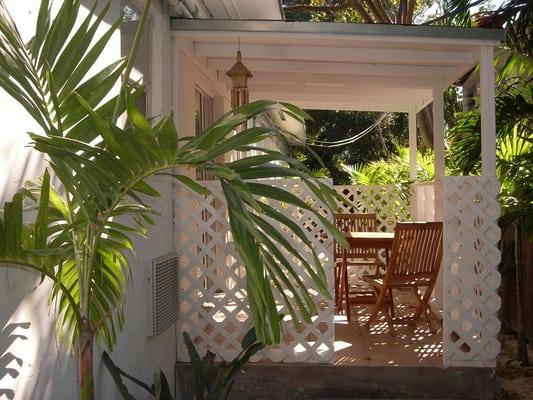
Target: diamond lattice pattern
(471,277)
(213,306)
(389,202)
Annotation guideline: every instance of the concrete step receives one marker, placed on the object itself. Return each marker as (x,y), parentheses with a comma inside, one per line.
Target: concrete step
(336,382)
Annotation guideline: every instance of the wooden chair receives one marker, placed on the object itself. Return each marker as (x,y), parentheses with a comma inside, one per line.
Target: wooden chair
(414,263)
(355,257)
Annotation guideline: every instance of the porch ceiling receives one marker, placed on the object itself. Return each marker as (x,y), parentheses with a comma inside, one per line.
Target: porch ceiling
(338,66)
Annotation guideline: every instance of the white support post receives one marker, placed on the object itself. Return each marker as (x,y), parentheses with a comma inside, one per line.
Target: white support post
(412,145)
(412,162)
(488,111)
(438,131)
(438,147)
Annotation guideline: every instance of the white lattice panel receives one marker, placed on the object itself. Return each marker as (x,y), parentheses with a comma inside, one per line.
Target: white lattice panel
(471,278)
(389,202)
(213,306)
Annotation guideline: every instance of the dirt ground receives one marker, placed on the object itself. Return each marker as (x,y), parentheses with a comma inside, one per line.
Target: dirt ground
(516,382)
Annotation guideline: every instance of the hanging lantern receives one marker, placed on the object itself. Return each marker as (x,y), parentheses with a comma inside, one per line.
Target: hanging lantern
(239,75)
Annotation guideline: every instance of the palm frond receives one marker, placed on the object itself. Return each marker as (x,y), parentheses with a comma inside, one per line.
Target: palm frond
(82,235)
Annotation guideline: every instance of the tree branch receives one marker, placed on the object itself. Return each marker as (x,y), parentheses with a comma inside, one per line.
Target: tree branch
(386,18)
(410,11)
(402,12)
(332,8)
(453,13)
(378,17)
(324,8)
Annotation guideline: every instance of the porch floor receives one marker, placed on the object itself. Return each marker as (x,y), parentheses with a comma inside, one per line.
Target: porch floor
(413,346)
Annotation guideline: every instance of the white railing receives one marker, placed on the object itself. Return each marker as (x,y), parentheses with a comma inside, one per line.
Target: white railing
(389,202)
(471,276)
(213,306)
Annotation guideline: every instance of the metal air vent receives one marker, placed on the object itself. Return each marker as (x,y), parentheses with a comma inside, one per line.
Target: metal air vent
(164,293)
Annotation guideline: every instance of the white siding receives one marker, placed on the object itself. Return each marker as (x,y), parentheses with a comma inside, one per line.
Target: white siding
(45,371)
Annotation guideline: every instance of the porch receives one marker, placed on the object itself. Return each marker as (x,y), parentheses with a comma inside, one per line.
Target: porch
(346,67)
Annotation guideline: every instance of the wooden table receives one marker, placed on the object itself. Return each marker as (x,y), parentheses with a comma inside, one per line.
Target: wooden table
(370,240)
(364,240)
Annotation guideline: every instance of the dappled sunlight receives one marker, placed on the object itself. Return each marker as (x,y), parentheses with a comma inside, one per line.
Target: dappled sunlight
(341,345)
(412,345)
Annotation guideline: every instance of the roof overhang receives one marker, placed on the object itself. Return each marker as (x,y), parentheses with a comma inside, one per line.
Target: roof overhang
(339,66)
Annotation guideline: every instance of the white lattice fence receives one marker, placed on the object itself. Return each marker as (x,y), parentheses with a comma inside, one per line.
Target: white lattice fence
(213,306)
(389,202)
(471,278)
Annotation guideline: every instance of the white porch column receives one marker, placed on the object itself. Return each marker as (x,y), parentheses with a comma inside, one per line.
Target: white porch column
(488,111)
(438,147)
(412,144)
(438,131)
(412,163)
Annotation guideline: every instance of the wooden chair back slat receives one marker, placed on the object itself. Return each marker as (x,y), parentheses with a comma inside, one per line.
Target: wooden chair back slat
(355,223)
(416,251)
(414,262)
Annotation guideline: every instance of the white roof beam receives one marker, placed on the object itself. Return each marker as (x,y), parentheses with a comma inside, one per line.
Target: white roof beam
(345,102)
(317,67)
(339,54)
(349,106)
(320,89)
(308,79)
(327,31)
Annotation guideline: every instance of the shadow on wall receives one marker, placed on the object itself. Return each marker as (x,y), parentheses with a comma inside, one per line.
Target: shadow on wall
(33,365)
(10,364)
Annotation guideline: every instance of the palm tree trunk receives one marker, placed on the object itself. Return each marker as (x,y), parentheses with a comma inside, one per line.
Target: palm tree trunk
(86,378)
(425,122)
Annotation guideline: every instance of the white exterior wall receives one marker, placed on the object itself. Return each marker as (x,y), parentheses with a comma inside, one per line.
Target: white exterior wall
(32,364)
(190,72)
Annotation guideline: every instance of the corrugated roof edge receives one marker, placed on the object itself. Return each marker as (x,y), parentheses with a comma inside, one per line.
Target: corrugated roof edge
(272,26)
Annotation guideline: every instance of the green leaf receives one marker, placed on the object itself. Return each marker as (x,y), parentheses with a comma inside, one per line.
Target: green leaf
(88,61)
(167,137)
(161,386)
(248,136)
(191,184)
(145,188)
(77,46)
(41,223)
(117,373)
(297,112)
(249,338)
(136,118)
(43,23)
(59,32)
(92,91)
(13,226)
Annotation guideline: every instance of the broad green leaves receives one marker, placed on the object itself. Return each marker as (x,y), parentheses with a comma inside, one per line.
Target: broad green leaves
(213,381)
(81,237)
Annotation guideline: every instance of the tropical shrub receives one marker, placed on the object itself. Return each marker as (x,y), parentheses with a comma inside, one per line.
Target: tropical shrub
(158,390)
(81,233)
(213,381)
(514,124)
(393,170)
